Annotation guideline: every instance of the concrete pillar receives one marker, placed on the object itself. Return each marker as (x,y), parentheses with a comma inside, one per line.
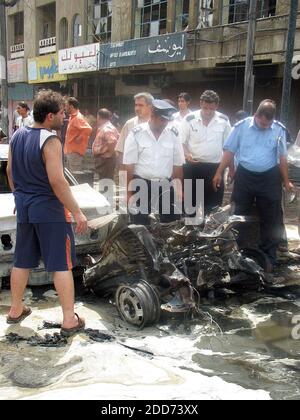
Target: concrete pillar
(282,7)
(171,16)
(30,29)
(217,13)
(194,14)
(225,12)
(122,20)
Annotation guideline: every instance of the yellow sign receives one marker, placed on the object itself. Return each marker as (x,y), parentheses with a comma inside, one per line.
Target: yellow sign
(44,69)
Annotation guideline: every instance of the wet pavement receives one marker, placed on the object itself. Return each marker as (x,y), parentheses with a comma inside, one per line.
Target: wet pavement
(238,347)
(241,348)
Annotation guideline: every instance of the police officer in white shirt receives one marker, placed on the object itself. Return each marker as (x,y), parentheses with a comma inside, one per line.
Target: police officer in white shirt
(154,155)
(204,133)
(142,106)
(184,102)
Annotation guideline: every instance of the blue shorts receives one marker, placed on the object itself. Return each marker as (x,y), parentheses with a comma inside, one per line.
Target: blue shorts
(53,243)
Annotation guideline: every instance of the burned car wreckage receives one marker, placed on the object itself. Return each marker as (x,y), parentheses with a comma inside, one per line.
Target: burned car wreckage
(168,267)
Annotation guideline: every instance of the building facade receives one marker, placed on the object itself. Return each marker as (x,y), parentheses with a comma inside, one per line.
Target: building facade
(104,51)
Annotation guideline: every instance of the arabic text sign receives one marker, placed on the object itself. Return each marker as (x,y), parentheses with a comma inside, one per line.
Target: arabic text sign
(79,59)
(152,50)
(44,69)
(16,70)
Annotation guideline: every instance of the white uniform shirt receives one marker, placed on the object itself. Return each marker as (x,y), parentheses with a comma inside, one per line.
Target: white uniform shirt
(153,159)
(205,144)
(178,121)
(178,118)
(25,122)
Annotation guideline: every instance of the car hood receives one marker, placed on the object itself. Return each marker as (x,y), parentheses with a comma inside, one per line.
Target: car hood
(4,151)
(92,203)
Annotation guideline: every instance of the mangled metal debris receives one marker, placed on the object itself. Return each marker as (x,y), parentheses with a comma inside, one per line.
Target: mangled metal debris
(166,267)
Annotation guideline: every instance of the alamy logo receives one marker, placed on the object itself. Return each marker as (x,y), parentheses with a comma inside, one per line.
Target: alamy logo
(296,329)
(296,69)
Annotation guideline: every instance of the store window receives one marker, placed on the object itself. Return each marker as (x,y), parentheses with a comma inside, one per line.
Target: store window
(63,34)
(77,31)
(150,18)
(182,15)
(102,20)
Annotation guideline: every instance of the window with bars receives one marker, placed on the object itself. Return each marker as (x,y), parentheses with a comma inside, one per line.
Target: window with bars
(182,15)
(266,8)
(102,20)
(150,18)
(239,10)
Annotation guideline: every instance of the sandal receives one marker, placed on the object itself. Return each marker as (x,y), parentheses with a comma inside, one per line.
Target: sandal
(68,332)
(26,312)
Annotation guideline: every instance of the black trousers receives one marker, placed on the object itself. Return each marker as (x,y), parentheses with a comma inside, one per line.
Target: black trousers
(264,190)
(205,171)
(156,203)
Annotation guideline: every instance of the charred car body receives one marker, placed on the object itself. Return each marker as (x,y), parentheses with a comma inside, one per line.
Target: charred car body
(168,267)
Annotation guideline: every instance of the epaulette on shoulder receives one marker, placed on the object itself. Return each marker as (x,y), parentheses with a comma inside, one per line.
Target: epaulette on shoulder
(190,118)
(280,125)
(175,131)
(239,123)
(137,129)
(223,116)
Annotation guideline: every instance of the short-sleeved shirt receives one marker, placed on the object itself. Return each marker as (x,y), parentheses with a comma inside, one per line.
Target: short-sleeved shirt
(78,129)
(257,150)
(34,197)
(153,159)
(25,122)
(205,143)
(130,125)
(106,140)
(178,118)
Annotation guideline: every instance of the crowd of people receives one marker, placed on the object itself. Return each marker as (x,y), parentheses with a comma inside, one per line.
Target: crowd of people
(160,144)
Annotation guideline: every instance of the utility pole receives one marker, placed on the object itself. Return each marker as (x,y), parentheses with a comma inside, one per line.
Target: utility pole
(249,75)
(287,77)
(3,63)
(3,69)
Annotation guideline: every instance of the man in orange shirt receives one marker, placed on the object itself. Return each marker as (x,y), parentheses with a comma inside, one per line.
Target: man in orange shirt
(104,145)
(77,136)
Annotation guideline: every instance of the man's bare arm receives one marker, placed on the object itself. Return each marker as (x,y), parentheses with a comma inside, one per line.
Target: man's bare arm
(178,181)
(52,154)
(130,172)
(227,161)
(284,170)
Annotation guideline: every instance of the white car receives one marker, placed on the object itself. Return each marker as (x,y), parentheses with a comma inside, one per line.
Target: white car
(92,203)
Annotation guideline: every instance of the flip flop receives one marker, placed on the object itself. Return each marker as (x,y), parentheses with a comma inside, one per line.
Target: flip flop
(68,332)
(26,312)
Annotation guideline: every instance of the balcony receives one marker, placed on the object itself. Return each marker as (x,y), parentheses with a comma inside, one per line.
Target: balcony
(17,51)
(47,46)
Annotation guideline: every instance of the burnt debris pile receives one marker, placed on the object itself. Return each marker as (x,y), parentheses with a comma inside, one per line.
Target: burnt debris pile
(167,267)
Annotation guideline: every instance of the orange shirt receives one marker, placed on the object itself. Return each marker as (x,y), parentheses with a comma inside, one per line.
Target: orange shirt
(78,134)
(106,140)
